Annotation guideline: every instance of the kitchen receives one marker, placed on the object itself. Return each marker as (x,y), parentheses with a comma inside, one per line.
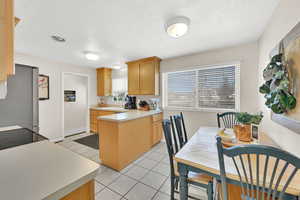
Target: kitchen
(143,100)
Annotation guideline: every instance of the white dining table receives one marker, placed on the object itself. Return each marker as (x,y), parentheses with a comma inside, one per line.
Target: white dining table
(200,155)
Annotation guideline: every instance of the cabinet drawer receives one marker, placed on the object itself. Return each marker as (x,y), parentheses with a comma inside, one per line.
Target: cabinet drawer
(157,117)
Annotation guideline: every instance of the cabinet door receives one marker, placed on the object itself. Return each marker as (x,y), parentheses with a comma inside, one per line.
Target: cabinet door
(147,78)
(6,38)
(157,132)
(107,82)
(133,78)
(93,121)
(104,82)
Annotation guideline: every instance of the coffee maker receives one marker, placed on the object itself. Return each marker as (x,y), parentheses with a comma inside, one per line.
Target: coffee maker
(130,102)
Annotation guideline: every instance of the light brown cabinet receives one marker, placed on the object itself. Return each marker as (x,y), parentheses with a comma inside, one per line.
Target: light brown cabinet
(133,78)
(7,27)
(104,82)
(143,76)
(93,118)
(156,128)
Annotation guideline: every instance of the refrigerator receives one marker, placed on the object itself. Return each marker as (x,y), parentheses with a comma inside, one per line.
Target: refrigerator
(21,105)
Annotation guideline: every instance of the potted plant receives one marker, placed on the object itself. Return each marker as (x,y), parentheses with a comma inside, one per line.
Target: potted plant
(243,130)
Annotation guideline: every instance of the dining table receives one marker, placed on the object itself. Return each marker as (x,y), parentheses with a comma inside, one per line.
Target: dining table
(200,155)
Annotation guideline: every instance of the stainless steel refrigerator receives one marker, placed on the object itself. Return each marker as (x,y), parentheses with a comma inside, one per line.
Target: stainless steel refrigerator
(21,105)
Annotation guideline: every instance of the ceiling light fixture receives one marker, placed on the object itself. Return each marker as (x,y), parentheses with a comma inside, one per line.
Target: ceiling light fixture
(178,26)
(57,38)
(91,56)
(116,67)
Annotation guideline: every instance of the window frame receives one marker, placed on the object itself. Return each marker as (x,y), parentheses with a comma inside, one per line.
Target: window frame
(197,108)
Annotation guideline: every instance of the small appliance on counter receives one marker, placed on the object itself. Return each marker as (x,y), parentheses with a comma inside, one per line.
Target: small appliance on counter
(143,105)
(130,102)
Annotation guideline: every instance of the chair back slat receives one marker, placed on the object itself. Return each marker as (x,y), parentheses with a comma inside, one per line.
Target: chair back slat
(257,176)
(180,129)
(277,166)
(183,126)
(239,173)
(265,176)
(228,119)
(279,179)
(174,136)
(251,176)
(168,137)
(245,175)
(272,178)
(288,182)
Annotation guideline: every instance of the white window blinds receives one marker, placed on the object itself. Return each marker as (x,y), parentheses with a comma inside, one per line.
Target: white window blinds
(209,88)
(182,89)
(216,88)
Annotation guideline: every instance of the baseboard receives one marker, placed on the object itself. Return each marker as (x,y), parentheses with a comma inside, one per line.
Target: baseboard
(75,131)
(57,139)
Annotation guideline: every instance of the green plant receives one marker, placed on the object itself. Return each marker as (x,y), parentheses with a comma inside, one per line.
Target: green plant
(277,87)
(246,118)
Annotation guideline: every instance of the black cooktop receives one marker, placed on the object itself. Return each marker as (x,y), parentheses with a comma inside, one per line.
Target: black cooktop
(17,137)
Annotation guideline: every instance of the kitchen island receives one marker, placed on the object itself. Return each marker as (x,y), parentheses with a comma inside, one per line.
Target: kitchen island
(45,171)
(126,136)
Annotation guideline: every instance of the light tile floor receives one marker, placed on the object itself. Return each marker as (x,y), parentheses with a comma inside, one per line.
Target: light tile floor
(147,178)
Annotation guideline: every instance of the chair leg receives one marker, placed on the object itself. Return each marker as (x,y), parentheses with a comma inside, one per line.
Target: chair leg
(172,187)
(176,183)
(210,191)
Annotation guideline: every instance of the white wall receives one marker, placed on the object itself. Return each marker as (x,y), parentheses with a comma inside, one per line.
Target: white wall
(284,18)
(246,54)
(50,111)
(76,113)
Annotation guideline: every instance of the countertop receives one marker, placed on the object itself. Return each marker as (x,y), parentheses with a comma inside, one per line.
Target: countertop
(42,171)
(114,109)
(129,115)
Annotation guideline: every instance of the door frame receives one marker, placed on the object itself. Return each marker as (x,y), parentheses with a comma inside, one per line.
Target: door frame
(63,101)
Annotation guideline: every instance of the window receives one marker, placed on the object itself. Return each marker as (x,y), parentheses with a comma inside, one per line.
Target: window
(213,88)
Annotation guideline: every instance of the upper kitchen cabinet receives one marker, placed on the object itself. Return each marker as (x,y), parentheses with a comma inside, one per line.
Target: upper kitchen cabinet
(104,82)
(7,27)
(133,78)
(143,76)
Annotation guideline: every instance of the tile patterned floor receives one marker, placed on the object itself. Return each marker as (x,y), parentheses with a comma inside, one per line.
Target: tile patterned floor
(147,178)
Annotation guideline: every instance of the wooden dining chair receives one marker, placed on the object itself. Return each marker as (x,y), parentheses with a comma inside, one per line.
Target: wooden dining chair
(228,119)
(278,169)
(201,180)
(180,128)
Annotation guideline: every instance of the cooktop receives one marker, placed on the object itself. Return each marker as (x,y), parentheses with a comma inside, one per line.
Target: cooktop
(17,137)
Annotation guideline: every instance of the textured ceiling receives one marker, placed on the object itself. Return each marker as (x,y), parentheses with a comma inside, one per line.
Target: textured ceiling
(122,30)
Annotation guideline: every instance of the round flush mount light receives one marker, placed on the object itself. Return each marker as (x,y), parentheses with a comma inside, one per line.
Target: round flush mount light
(116,67)
(178,26)
(57,38)
(91,56)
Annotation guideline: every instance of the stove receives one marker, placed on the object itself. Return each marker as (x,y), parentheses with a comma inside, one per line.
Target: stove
(18,136)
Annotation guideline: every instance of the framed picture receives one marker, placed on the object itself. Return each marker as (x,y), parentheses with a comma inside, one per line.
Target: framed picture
(255,131)
(289,46)
(43,87)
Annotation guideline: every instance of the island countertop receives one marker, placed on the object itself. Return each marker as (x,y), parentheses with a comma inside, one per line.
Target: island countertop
(42,170)
(114,109)
(128,115)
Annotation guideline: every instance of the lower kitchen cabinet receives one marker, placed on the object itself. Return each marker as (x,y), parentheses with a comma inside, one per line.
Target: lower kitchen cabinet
(156,128)
(94,114)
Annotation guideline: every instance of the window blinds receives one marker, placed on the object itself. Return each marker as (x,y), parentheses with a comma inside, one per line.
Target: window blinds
(216,88)
(209,88)
(182,89)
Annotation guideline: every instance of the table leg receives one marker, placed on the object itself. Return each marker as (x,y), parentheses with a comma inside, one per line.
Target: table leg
(183,172)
